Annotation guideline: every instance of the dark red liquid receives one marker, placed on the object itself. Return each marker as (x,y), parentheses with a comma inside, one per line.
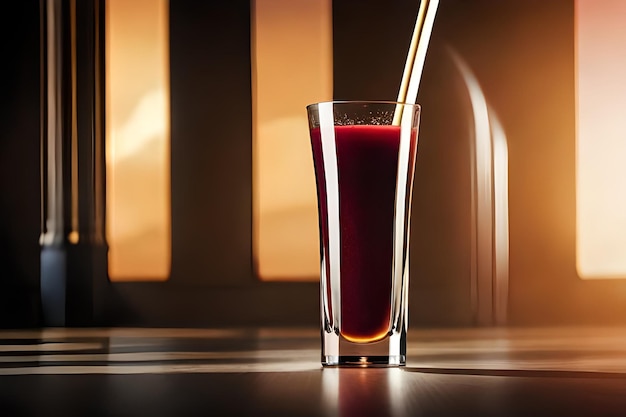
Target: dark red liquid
(367,159)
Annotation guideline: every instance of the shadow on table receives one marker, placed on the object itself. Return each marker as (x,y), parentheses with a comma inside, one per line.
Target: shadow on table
(525,373)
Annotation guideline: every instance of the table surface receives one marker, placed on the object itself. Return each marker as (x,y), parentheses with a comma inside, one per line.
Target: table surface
(265,371)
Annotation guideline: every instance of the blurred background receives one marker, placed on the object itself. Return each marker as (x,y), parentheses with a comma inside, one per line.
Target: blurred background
(210,202)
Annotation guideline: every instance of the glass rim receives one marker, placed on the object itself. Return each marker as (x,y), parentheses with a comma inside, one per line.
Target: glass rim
(378,102)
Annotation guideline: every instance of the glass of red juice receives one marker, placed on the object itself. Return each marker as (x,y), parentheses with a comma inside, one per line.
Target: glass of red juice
(364,157)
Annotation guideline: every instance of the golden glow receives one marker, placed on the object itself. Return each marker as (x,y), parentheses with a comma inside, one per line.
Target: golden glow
(356,339)
(292,67)
(74,235)
(137,140)
(601,138)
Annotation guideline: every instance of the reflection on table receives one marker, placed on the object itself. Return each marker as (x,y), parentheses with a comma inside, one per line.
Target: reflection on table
(507,372)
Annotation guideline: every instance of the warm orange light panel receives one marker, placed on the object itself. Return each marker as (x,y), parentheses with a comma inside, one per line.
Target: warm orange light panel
(137,140)
(601,138)
(292,67)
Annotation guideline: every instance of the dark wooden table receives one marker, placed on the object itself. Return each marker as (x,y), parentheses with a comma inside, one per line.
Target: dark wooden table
(251,372)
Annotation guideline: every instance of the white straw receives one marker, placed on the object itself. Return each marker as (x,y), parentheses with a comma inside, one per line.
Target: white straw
(416,56)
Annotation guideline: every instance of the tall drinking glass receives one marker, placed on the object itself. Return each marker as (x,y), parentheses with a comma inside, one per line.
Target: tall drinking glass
(364,156)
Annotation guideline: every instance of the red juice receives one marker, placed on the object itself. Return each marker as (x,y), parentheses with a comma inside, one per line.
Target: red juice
(367,158)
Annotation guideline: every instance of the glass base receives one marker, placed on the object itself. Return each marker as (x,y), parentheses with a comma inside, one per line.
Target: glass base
(364,361)
(337,351)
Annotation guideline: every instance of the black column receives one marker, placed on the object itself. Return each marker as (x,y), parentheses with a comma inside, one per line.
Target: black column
(73,247)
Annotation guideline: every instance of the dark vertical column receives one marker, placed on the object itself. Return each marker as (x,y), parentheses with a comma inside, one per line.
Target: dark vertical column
(19,165)
(73,247)
(211,110)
